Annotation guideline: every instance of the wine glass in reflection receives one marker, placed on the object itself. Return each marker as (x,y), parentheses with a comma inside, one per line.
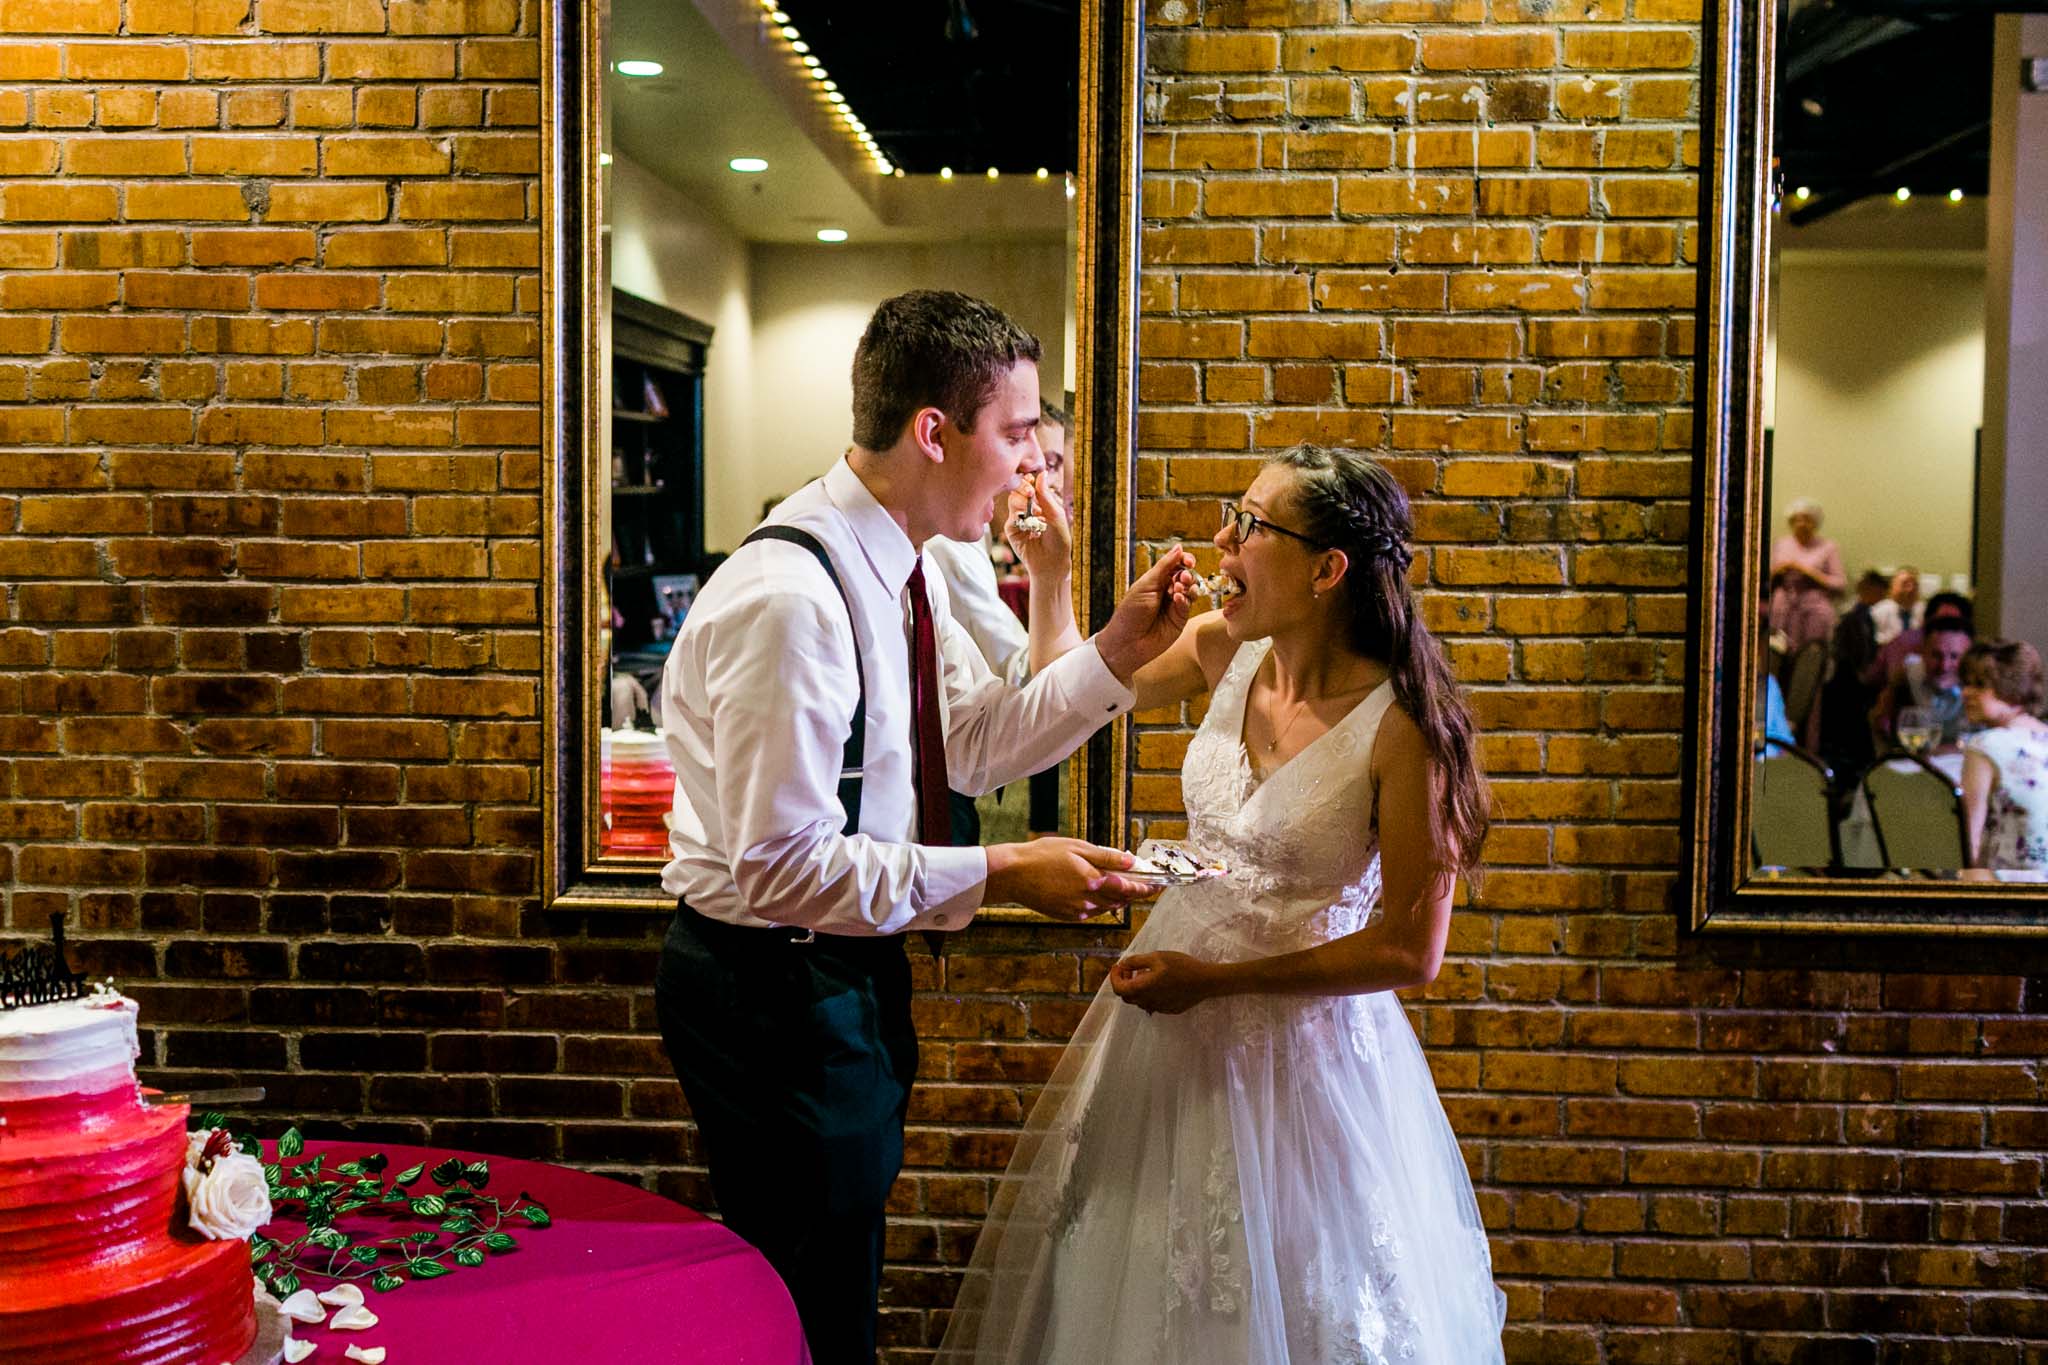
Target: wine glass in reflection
(1919,730)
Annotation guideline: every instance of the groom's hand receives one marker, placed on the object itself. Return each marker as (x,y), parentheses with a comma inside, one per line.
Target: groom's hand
(1150,617)
(1069,879)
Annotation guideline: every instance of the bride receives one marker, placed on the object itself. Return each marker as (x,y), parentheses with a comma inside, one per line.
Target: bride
(1241,1159)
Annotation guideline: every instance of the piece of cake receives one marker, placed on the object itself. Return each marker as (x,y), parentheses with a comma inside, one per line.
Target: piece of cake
(99,1260)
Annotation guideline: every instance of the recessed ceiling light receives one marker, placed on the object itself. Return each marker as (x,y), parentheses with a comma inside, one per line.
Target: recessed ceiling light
(811,61)
(831,234)
(1802,194)
(604,158)
(748,165)
(817,72)
(831,85)
(993,172)
(639,68)
(789,31)
(799,45)
(1902,194)
(945,172)
(1955,196)
(776,15)
(1043,173)
(835,97)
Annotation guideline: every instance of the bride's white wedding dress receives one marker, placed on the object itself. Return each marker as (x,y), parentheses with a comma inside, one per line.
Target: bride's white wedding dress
(1262,1180)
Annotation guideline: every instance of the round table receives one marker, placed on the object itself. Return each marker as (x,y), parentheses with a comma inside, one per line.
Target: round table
(619,1275)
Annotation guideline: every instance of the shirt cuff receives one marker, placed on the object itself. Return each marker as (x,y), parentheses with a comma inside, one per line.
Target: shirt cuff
(954,880)
(1085,678)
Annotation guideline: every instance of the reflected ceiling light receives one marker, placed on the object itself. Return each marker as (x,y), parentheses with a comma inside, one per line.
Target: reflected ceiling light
(899,172)
(817,72)
(1902,194)
(1955,196)
(831,234)
(835,97)
(789,32)
(993,172)
(604,158)
(812,62)
(1802,194)
(799,45)
(748,165)
(831,85)
(777,15)
(634,67)
(1043,173)
(945,172)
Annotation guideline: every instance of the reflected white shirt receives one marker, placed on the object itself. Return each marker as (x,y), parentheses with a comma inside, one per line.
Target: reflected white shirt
(978,605)
(757,701)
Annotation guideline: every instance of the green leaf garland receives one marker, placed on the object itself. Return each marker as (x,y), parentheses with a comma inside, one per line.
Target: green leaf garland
(469,1223)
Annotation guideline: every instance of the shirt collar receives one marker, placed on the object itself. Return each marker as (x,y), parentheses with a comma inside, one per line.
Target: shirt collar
(882,541)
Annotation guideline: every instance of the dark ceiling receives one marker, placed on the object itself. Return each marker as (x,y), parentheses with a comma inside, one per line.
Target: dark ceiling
(1879,94)
(968,84)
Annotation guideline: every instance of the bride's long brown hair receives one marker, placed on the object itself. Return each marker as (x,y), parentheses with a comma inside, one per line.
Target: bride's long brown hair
(1347,501)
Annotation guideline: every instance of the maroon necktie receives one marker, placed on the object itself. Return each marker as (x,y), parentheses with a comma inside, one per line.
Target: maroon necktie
(927,726)
(928,732)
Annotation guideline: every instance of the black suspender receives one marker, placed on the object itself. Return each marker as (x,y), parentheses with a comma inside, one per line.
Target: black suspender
(853,764)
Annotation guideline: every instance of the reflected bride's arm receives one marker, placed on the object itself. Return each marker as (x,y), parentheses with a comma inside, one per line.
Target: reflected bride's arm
(1979,775)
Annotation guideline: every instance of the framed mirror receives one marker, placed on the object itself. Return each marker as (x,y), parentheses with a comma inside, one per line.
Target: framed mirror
(731,187)
(1871,467)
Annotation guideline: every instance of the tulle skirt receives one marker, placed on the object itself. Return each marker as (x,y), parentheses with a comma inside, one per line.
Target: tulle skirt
(1257,1181)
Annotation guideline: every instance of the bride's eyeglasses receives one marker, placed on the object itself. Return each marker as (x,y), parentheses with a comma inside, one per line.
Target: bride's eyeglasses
(1241,524)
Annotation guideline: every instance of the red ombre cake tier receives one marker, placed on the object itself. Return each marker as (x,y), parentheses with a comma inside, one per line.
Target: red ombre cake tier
(97,1263)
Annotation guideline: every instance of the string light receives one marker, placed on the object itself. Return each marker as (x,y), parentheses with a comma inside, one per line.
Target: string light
(779,26)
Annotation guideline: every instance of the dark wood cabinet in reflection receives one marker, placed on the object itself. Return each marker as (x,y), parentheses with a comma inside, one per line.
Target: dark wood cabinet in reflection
(656,555)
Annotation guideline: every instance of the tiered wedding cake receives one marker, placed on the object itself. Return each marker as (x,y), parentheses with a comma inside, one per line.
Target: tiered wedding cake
(98,1260)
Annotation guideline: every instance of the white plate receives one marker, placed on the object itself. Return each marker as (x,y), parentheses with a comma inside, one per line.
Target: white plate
(1151,849)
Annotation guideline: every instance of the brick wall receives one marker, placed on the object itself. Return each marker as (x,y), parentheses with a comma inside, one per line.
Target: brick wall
(269,665)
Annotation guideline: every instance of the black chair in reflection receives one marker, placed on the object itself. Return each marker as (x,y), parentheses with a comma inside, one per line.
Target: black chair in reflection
(1916,813)
(1792,809)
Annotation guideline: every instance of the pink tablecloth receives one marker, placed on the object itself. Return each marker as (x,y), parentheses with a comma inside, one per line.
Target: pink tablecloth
(621,1275)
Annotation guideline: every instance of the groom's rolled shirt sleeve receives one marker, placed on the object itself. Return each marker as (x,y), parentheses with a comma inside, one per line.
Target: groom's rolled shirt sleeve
(781,687)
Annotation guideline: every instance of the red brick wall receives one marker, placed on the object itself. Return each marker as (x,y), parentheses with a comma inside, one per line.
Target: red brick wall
(269,665)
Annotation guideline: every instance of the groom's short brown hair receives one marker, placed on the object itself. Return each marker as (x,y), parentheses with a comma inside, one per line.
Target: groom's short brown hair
(931,348)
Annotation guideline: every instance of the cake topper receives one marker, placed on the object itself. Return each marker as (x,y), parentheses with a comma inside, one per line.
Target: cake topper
(36,973)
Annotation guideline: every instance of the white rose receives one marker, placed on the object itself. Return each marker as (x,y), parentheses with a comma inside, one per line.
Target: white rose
(230,1200)
(195,1146)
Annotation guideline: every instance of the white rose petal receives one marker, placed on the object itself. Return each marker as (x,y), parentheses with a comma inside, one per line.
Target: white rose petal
(229,1200)
(303,1307)
(353,1318)
(296,1350)
(373,1356)
(341,1296)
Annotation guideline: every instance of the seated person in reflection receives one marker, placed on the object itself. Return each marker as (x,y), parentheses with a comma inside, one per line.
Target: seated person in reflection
(2005,762)
(1890,663)
(1845,700)
(1774,727)
(1899,608)
(1806,577)
(1932,679)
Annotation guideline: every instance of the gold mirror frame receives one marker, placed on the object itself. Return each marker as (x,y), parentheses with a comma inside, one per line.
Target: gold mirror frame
(1719,893)
(574,875)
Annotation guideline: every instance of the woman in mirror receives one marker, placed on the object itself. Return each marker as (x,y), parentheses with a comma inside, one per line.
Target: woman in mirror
(1241,1156)
(1806,579)
(2005,763)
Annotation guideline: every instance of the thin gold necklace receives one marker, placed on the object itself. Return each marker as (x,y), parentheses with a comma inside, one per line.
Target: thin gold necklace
(1302,706)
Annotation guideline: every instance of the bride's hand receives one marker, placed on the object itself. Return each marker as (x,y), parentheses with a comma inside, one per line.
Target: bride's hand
(1163,983)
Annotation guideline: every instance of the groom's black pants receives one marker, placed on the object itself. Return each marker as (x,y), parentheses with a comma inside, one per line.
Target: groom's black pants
(797,1061)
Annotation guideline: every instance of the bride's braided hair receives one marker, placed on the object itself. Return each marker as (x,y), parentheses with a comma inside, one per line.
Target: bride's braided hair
(1349,502)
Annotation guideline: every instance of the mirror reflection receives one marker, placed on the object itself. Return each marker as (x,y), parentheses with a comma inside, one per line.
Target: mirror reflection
(772,172)
(1898,730)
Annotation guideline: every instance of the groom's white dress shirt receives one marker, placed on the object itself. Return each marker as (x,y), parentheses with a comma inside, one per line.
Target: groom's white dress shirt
(757,701)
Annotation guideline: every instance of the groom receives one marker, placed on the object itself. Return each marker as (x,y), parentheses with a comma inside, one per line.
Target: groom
(817,704)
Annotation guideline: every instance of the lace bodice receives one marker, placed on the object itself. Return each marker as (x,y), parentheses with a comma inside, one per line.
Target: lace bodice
(1302,846)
